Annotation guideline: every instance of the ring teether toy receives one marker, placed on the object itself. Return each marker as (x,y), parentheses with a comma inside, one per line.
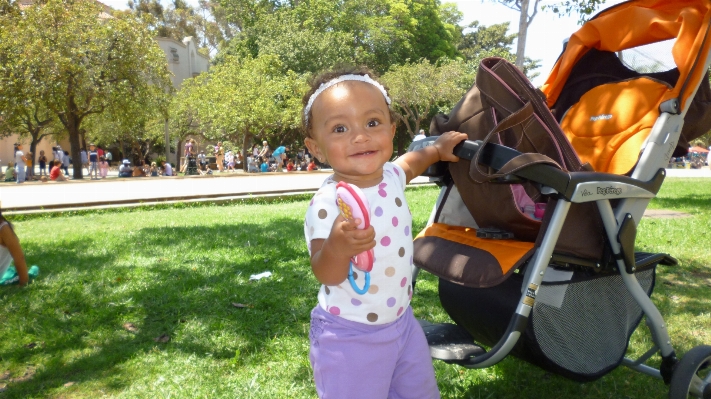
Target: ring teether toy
(353,205)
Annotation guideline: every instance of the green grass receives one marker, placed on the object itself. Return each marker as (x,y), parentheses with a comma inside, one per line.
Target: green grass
(176,270)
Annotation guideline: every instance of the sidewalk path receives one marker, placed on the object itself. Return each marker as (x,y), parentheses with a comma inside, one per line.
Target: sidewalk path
(114,192)
(38,197)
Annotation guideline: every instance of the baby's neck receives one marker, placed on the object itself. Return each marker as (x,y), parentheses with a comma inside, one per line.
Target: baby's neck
(359,181)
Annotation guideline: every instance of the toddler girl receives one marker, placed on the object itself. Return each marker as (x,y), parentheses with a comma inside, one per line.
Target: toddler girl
(369,345)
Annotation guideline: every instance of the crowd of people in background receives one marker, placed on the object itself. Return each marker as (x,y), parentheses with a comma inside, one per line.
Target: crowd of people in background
(264,160)
(96,161)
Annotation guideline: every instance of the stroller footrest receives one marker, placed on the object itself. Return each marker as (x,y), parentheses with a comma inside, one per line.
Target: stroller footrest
(450,342)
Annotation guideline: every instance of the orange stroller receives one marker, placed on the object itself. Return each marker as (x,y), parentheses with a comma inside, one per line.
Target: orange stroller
(568,297)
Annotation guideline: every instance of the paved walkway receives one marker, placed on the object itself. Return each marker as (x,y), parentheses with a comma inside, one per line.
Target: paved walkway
(34,197)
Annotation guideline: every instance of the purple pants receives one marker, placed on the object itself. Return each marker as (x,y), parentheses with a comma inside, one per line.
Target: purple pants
(355,360)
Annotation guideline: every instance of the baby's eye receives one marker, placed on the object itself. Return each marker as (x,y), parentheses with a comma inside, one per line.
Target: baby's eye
(339,129)
(373,123)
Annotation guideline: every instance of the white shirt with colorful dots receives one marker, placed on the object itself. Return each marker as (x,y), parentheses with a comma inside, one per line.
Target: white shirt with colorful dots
(390,279)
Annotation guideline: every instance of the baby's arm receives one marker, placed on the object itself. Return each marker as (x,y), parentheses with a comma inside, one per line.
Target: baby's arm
(416,162)
(331,257)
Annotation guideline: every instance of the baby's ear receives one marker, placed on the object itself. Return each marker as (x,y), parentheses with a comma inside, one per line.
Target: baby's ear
(313,147)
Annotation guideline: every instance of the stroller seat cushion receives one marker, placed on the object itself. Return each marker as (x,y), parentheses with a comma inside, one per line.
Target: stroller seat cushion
(610,123)
(458,255)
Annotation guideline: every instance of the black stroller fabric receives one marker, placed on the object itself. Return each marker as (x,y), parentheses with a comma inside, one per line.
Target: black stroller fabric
(578,329)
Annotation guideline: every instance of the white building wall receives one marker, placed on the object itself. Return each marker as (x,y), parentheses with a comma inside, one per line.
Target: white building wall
(184,61)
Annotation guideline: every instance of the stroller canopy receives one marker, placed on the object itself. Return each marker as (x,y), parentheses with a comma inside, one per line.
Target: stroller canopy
(611,122)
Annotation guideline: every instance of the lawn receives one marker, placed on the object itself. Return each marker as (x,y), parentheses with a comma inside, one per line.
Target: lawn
(157,302)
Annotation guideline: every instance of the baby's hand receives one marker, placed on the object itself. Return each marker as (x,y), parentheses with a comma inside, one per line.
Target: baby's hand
(350,241)
(445,145)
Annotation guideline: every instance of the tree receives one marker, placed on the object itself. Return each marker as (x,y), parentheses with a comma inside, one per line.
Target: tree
(205,23)
(478,42)
(321,33)
(80,65)
(584,8)
(240,99)
(20,112)
(416,88)
(524,8)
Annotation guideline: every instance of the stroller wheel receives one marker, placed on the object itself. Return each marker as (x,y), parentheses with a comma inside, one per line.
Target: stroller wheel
(692,375)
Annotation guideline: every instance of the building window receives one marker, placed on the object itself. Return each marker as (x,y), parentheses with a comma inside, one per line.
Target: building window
(176,57)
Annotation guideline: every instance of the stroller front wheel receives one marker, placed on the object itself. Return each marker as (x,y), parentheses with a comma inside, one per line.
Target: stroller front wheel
(692,375)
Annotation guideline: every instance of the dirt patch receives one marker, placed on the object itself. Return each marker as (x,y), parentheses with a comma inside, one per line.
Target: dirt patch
(26,377)
(665,214)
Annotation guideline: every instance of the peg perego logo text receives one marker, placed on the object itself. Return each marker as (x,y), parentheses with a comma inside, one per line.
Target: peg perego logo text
(603,117)
(609,190)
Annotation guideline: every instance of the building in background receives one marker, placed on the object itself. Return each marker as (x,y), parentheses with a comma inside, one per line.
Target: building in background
(184,62)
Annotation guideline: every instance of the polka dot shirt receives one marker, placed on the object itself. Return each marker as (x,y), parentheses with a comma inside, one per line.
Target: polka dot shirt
(390,286)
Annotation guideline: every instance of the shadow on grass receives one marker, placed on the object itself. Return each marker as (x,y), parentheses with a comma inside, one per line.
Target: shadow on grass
(165,281)
(691,201)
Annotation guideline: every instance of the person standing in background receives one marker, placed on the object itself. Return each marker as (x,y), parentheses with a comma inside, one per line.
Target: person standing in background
(65,162)
(93,162)
(42,163)
(220,156)
(30,166)
(20,160)
(84,161)
(108,157)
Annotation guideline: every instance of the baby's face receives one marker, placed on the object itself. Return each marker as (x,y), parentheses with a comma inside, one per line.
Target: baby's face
(352,131)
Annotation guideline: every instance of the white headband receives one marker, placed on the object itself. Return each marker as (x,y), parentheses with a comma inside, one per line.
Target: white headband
(335,81)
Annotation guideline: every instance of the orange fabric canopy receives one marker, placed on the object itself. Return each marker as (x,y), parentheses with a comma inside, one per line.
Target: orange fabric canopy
(645,22)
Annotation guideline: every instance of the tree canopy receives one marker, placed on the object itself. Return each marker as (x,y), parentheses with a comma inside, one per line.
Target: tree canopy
(78,64)
(239,99)
(424,55)
(307,35)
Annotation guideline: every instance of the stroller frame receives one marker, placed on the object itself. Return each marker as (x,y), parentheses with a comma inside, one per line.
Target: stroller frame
(634,193)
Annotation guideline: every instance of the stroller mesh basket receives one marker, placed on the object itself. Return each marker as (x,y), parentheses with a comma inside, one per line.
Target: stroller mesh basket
(579,328)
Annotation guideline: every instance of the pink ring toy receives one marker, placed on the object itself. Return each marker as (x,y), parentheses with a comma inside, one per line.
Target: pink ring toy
(353,205)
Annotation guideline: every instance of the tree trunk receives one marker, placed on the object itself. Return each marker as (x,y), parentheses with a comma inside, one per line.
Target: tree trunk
(33,146)
(245,143)
(178,150)
(121,152)
(522,31)
(74,144)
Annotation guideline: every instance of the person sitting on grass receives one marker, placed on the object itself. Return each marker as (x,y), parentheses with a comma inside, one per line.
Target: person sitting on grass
(290,167)
(11,252)
(10,174)
(264,167)
(167,168)
(252,166)
(154,169)
(138,171)
(55,174)
(312,166)
(125,169)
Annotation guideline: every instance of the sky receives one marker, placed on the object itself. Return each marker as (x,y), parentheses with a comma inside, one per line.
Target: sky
(545,34)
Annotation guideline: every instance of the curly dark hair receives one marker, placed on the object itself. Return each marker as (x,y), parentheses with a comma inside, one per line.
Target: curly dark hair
(317,80)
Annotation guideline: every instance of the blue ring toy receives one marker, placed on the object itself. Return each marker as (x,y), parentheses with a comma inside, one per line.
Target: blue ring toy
(366,286)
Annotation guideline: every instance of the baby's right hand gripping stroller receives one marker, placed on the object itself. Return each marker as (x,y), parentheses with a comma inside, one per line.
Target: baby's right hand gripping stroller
(556,281)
